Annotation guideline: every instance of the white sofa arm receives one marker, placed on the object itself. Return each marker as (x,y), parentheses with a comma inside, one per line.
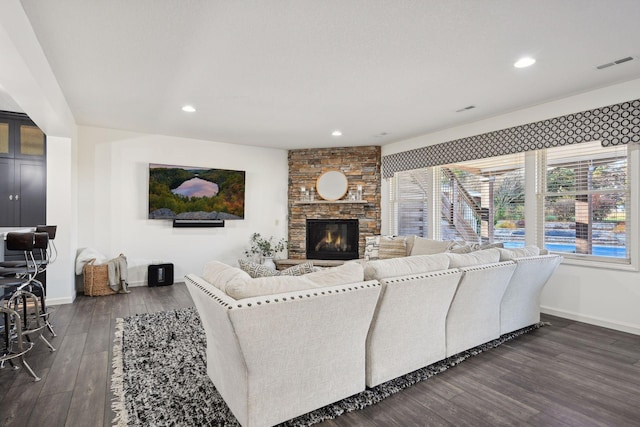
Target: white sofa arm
(520,305)
(408,328)
(280,356)
(474,316)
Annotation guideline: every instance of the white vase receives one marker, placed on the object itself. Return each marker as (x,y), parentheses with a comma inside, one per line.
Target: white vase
(267,261)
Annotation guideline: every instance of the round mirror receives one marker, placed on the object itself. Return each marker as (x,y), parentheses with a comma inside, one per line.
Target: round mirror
(332,185)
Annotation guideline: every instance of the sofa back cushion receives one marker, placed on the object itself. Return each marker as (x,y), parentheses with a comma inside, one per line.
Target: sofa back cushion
(385,268)
(350,272)
(248,288)
(509,254)
(487,256)
(220,274)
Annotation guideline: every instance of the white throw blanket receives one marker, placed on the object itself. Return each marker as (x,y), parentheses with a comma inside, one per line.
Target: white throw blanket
(117,268)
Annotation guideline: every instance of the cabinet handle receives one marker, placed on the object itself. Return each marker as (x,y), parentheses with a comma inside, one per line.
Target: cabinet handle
(10,196)
(17,196)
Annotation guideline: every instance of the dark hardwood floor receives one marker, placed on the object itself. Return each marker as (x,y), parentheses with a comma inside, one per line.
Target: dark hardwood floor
(568,374)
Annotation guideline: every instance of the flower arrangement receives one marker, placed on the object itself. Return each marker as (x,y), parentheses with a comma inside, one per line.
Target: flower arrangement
(265,247)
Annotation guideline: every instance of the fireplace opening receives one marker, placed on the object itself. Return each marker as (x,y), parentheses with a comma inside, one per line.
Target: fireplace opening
(332,239)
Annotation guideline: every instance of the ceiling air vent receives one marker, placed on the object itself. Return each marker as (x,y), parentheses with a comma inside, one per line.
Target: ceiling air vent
(470,107)
(616,62)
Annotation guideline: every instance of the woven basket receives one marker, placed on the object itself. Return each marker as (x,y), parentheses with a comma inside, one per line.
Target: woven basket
(96,279)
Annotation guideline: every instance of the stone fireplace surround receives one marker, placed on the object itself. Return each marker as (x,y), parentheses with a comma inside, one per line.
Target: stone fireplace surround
(361,165)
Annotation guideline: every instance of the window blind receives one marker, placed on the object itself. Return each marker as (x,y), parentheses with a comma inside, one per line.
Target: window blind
(584,198)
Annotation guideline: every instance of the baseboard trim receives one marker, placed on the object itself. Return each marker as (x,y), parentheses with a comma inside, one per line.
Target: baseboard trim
(592,320)
(60,301)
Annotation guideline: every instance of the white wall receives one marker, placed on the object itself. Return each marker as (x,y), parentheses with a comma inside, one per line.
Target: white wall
(596,295)
(26,76)
(61,202)
(113,197)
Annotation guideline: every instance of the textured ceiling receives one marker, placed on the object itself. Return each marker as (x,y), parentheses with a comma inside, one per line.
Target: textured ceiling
(286,73)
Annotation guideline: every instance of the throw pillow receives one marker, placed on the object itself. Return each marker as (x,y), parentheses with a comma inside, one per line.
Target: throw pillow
(488,256)
(508,254)
(464,249)
(393,247)
(256,270)
(372,247)
(299,269)
(422,246)
(220,274)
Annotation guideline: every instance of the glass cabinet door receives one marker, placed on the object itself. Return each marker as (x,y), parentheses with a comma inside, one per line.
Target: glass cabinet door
(31,140)
(4,138)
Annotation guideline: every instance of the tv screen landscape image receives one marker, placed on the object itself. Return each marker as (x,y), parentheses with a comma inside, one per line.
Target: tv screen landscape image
(187,192)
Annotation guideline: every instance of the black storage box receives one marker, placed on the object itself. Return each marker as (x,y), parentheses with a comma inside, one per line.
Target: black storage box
(160,274)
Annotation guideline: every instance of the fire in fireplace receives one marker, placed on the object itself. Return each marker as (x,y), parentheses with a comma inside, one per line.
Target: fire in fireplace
(332,239)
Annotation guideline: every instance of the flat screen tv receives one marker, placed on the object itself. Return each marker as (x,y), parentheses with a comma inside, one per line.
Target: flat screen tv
(193,193)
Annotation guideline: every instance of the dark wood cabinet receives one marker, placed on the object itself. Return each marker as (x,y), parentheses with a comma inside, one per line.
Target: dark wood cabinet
(23,177)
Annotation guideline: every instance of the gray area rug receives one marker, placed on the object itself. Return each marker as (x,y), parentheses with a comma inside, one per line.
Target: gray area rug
(159,375)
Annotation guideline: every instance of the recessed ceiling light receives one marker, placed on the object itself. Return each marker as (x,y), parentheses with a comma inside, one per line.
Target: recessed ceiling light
(189,109)
(527,61)
(336,133)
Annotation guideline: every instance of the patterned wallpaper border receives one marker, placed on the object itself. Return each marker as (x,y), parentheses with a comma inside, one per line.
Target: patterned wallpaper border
(613,125)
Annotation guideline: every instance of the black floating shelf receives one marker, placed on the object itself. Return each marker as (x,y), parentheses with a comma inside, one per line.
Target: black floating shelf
(177,223)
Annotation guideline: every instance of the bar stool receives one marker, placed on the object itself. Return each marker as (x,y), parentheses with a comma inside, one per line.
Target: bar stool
(14,346)
(29,268)
(52,252)
(26,304)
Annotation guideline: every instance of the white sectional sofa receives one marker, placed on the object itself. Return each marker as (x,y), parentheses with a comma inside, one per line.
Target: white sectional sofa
(279,347)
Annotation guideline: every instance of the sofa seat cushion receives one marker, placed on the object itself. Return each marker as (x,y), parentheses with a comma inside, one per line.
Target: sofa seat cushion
(220,274)
(385,268)
(509,254)
(486,256)
(350,272)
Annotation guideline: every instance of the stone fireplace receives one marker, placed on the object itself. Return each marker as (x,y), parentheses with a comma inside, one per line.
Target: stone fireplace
(332,239)
(362,167)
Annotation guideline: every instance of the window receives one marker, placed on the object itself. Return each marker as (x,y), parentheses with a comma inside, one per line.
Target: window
(582,199)
(584,192)
(483,200)
(410,202)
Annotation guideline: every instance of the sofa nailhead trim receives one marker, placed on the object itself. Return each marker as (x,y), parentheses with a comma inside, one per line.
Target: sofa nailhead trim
(207,292)
(423,276)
